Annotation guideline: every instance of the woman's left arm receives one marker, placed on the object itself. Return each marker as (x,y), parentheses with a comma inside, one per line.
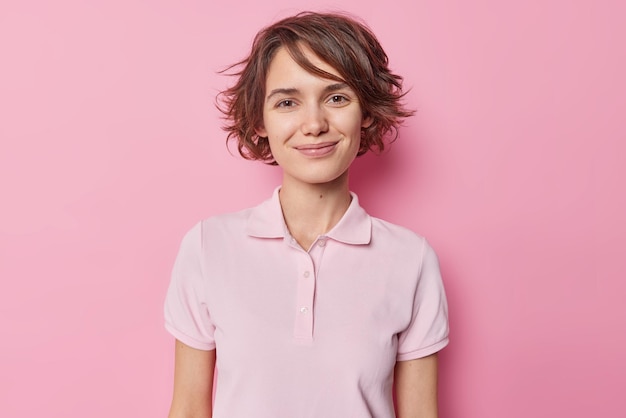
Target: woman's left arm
(415,383)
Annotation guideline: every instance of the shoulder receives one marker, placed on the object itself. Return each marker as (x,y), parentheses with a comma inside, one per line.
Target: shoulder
(403,245)
(226,221)
(214,228)
(396,235)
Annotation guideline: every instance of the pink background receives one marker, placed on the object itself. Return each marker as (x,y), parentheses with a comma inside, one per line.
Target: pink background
(111,149)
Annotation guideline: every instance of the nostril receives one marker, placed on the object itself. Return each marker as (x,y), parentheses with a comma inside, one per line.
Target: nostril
(315,122)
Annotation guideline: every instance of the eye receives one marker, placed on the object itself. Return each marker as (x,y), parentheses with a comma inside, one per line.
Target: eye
(337,99)
(286,103)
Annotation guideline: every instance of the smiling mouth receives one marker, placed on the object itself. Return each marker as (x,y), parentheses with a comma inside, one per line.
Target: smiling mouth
(317,150)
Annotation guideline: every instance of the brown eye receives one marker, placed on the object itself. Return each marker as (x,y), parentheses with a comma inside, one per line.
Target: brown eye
(338,99)
(285,103)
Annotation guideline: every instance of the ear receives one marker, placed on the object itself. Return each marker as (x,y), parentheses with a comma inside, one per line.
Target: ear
(367,121)
(260,131)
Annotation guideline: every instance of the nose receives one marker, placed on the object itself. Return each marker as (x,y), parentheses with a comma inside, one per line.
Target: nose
(314,121)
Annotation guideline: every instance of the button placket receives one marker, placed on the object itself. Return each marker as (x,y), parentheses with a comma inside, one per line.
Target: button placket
(304,300)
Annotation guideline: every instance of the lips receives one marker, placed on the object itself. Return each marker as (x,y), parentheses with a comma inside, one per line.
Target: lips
(317,150)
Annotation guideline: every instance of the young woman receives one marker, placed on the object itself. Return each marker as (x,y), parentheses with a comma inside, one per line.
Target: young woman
(305,305)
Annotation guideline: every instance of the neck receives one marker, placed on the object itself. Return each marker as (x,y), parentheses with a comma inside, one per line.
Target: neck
(311,210)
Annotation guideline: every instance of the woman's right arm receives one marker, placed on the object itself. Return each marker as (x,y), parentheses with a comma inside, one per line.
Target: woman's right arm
(193,382)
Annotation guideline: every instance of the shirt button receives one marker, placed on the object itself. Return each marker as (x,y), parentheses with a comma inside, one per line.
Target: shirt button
(306,274)
(321,242)
(304,310)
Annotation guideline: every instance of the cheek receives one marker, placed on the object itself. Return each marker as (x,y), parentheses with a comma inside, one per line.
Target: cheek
(277,146)
(278,127)
(272,143)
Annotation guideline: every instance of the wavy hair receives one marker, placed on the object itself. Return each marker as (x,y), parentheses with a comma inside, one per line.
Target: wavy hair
(346,45)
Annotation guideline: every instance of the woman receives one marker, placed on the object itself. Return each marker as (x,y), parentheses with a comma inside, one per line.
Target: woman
(305,305)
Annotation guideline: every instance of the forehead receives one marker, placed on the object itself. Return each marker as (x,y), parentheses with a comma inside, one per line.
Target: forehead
(283,67)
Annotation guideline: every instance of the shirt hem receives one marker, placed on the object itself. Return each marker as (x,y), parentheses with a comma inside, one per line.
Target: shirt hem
(423,352)
(191,342)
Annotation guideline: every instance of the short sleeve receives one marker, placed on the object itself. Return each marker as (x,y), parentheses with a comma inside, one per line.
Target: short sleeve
(428,330)
(187,315)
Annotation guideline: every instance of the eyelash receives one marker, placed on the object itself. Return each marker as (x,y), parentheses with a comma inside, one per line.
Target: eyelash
(342,99)
(334,99)
(285,103)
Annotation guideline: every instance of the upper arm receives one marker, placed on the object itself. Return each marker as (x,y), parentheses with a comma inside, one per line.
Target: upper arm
(193,382)
(415,385)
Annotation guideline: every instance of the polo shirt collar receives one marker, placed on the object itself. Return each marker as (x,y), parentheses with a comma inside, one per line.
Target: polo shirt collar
(266,221)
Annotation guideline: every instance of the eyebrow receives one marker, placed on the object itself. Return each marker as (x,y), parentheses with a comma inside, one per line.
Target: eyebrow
(289,91)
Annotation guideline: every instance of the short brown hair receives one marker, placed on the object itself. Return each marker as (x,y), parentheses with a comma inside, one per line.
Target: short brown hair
(345,44)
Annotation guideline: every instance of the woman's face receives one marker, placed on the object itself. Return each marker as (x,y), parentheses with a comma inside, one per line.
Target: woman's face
(313,124)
